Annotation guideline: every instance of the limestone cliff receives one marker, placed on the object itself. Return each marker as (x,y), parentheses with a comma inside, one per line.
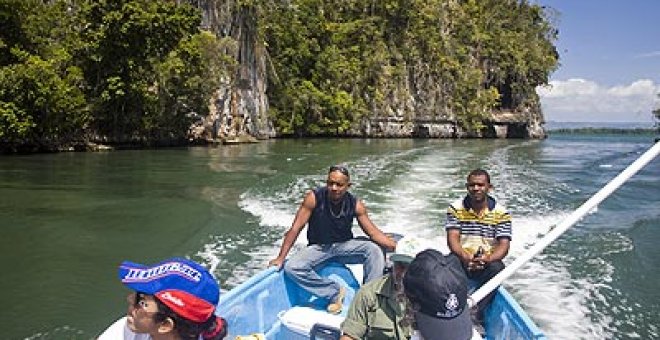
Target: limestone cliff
(239,107)
(412,106)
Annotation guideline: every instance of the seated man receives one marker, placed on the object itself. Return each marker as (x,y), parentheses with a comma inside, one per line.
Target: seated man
(174,299)
(330,211)
(479,232)
(380,309)
(437,288)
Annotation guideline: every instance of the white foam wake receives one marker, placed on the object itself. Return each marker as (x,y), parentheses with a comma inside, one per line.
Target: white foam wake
(544,287)
(408,193)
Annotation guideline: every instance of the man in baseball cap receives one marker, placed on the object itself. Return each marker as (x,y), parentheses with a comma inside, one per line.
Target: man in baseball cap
(174,299)
(380,309)
(437,287)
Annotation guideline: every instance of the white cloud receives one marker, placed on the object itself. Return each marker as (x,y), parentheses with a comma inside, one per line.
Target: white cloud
(653,54)
(585,100)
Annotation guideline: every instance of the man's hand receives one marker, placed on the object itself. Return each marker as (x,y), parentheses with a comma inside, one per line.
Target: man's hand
(277,262)
(478,263)
(394,238)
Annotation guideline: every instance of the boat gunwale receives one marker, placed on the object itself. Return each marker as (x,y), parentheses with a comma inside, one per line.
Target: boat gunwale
(534,330)
(517,316)
(252,281)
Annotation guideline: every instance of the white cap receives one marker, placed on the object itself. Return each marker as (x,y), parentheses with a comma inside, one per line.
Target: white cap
(408,247)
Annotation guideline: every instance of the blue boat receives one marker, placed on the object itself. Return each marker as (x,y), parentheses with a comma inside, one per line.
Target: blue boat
(271,304)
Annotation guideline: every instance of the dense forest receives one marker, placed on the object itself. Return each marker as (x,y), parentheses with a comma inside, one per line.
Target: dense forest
(77,72)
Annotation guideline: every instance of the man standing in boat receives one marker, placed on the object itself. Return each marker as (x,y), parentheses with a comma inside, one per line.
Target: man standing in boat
(330,211)
(479,233)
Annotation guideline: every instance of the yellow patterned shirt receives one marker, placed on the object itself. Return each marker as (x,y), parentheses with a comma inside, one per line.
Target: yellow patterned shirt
(479,231)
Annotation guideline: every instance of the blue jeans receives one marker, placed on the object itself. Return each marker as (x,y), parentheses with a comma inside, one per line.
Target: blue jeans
(301,267)
(481,277)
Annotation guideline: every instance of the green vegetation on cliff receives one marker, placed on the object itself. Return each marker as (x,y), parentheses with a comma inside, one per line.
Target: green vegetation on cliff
(112,70)
(127,71)
(339,61)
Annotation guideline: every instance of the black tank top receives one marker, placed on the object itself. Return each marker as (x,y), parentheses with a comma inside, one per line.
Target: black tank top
(325,226)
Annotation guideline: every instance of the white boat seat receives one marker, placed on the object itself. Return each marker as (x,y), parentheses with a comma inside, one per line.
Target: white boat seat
(298,321)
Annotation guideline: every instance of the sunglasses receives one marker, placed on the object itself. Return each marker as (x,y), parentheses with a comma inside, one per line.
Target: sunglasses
(339,168)
(139,301)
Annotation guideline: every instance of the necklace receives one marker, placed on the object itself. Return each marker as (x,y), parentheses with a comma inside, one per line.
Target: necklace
(341,210)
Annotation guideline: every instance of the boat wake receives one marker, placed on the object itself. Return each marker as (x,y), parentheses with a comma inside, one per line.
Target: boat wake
(407,192)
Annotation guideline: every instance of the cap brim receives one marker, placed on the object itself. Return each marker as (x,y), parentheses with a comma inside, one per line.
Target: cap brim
(149,287)
(457,328)
(401,258)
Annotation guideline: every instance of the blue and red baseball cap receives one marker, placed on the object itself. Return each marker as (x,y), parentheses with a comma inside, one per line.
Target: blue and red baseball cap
(183,285)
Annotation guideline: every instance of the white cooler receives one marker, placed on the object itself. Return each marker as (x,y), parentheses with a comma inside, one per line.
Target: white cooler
(297,323)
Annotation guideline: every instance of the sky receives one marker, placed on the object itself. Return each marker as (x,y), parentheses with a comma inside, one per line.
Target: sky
(609,54)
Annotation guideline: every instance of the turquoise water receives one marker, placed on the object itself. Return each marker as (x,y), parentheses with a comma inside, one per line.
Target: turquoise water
(68,220)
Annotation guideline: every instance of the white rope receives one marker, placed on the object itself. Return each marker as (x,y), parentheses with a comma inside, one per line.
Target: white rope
(568,222)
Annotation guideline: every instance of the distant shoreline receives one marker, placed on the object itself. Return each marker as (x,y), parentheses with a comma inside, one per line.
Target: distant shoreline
(603,131)
(551,126)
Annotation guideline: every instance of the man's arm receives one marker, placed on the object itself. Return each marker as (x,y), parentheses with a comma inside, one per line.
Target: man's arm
(453,229)
(454,243)
(299,222)
(500,250)
(370,228)
(356,323)
(502,238)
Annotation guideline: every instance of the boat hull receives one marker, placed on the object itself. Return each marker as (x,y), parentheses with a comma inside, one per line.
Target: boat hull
(267,302)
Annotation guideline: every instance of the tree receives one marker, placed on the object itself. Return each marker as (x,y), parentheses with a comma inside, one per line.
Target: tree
(187,78)
(114,70)
(41,89)
(125,42)
(337,62)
